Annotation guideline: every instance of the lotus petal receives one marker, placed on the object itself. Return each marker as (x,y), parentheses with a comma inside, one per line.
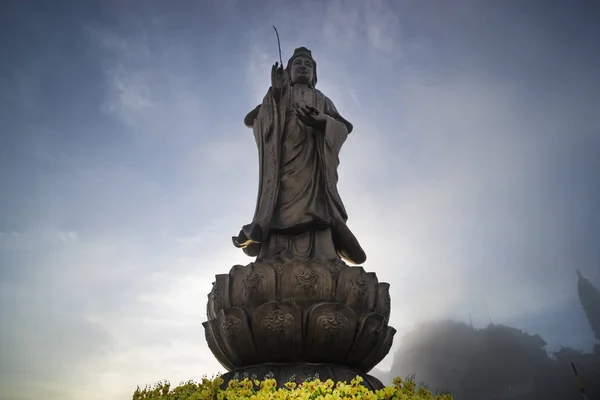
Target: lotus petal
(384,302)
(329,332)
(357,289)
(252,285)
(380,351)
(235,332)
(306,284)
(210,306)
(219,296)
(370,332)
(277,329)
(214,347)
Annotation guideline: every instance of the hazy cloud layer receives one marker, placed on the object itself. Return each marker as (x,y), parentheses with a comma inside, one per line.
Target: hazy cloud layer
(452,356)
(470,178)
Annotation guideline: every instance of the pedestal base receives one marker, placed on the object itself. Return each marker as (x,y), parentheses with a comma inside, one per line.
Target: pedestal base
(301,372)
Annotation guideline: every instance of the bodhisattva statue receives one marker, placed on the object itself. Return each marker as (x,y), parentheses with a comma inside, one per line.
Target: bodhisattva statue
(298,309)
(299,133)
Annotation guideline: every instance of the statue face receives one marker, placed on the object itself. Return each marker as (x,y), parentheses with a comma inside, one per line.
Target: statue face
(302,70)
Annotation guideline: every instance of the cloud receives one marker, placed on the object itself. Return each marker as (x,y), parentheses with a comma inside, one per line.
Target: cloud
(383,28)
(453,356)
(45,340)
(131,95)
(105,309)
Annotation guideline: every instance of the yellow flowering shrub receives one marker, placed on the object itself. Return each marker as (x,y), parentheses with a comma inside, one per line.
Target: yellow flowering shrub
(210,389)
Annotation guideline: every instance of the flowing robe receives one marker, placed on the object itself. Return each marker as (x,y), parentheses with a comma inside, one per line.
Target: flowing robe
(299,212)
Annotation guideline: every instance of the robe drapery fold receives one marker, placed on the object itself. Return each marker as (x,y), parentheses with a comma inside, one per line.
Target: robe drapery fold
(297,191)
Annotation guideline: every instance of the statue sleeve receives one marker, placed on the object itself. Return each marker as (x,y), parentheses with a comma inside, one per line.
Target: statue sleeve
(262,114)
(333,112)
(263,120)
(337,128)
(264,124)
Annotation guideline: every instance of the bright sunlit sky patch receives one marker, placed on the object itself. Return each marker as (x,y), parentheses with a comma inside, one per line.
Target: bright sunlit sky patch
(125,168)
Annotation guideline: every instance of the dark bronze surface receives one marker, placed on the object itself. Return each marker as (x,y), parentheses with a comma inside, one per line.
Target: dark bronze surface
(299,304)
(299,134)
(299,311)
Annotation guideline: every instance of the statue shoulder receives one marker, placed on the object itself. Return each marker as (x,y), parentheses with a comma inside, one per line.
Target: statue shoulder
(252,115)
(326,102)
(321,97)
(329,109)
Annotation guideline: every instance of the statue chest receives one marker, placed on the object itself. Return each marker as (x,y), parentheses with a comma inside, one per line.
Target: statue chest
(301,96)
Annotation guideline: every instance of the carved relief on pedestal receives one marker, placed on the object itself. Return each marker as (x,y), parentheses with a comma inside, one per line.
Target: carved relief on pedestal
(252,283)
(330,330)
(277,329)
(306,280)
(356,288)
(278,267)
(276,322)
(236,335)
(217,294)
(218,298)
(333,322)
(335,267)
(215,348)
(230,326)
(306,283)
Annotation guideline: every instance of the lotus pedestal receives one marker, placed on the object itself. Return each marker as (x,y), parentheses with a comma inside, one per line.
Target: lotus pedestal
(294,320)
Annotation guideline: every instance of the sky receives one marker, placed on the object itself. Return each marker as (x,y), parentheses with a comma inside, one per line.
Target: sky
(125,168)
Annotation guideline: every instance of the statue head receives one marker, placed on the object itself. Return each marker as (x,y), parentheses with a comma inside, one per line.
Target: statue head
(302,68)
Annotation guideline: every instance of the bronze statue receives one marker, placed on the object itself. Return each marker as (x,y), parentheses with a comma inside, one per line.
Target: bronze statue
(299,134)
(298,309)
